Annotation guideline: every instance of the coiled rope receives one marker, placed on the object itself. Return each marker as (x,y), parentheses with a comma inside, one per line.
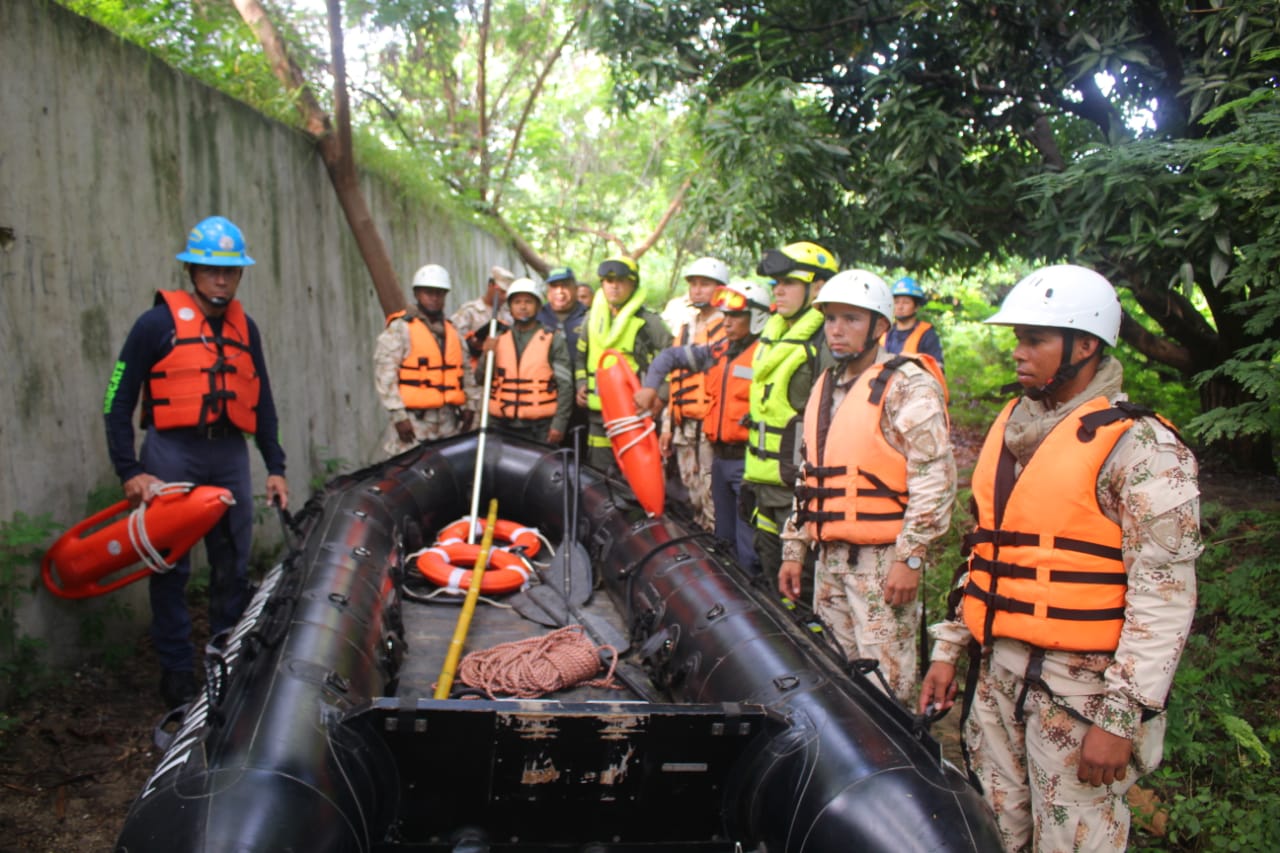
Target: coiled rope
(533,667)
(626,423)
(137,527)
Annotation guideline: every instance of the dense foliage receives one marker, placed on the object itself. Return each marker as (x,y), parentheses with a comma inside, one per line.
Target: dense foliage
(945,135)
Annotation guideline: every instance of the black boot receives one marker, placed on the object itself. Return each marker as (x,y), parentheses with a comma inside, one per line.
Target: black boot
(177,688)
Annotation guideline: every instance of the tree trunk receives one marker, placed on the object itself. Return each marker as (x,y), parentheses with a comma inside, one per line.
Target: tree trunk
(334,145)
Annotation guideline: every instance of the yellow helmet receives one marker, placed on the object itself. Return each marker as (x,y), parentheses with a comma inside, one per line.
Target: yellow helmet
(802,261)
(619,266)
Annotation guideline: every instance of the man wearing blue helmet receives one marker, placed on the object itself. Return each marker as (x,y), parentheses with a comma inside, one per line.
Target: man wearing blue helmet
(909,334)
(195,360)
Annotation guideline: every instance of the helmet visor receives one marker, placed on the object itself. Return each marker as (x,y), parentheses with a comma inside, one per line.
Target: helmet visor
(616,269)
(728,300)
(776,264)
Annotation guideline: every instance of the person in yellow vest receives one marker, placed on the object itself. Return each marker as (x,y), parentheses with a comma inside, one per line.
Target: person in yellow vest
(419,368)
(909,334)
(790,356)
(1080,586)
(877,486)
(195,360)
(725,366)
(700,324)
(617,320)
(531,390)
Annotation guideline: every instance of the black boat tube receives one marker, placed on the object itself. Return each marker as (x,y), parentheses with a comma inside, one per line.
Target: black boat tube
(264,763)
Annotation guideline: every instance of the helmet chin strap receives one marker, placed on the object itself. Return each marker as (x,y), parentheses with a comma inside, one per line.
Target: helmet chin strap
(1065,373)
(844,360)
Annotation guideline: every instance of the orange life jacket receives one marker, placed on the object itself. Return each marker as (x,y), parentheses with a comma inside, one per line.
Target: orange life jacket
(1045,565)
(729,381)
(430,379)
(205,376)
(524,386)
(855,482)
(689,395)
(911,345)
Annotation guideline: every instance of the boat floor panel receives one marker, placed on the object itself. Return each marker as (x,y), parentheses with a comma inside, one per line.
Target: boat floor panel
(429,629)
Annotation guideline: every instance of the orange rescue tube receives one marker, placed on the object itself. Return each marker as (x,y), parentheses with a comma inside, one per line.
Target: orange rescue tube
(87,559)
(634,437)
(513,535)
(449,564)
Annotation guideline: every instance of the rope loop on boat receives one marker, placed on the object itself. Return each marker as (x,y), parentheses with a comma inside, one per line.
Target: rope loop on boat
(536,666)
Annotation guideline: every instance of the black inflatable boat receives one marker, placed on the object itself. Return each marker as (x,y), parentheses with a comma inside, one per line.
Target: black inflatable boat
(738,729)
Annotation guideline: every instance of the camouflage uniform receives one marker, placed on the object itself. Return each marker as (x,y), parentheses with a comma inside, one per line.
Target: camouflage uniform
(391,349)
(467,319)
(850,579)
(1028,768)
(693,451)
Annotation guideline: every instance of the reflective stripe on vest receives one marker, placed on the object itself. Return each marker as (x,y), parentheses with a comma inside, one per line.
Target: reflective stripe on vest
(524,386)
(855,484)
(430,379)
(1050,572)
(603,332)
(730,384)
(205,375)
(780,352)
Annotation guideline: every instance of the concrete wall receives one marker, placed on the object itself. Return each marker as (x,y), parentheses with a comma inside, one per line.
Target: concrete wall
(107,157)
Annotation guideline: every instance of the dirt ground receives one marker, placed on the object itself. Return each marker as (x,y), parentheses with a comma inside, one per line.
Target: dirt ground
(76,756)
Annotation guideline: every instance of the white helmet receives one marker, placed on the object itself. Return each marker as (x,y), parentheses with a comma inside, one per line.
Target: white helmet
(1063,297)
(709,268)
(859,288)
(743,294)
(524,285)
(432,275)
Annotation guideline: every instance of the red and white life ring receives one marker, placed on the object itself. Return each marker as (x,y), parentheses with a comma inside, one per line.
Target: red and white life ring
(449,565)
(513,536)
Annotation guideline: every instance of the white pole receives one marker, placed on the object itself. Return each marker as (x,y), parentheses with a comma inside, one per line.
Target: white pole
(484,423)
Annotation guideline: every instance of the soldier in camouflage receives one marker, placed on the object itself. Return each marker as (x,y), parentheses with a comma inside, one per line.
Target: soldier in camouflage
(1073,642)
(882,417)
(420,378)
(472,322)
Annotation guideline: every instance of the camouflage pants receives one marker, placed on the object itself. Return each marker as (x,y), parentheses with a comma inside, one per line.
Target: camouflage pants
(693,459)
(427,426)
(849,598)
(1028,769)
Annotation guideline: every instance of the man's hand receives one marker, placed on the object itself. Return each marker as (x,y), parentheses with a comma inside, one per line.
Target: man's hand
(901,584)
(938,687)
(789,578)
(1103,757)
(141,488)
(277,491)
(664,445)
(489,345)
(581,395)
(555,436)
(404,429)
(647,400)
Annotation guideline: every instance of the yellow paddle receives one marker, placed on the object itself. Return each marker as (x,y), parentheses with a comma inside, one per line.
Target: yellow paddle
(445,682)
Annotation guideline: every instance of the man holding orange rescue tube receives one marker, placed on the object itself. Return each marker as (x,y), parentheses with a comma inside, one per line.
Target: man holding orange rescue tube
(195,359)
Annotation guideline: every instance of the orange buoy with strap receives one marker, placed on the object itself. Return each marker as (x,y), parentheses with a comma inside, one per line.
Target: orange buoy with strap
(633,435)
(526,540)
(86,560)
(449,564)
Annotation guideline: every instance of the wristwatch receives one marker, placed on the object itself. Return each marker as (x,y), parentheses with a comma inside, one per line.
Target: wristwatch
(914,563)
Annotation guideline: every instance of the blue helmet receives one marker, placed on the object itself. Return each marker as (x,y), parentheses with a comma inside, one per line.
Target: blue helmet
(216,242)
(906,286)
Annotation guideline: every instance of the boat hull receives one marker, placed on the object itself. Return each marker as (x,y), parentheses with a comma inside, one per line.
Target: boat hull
(311,739)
